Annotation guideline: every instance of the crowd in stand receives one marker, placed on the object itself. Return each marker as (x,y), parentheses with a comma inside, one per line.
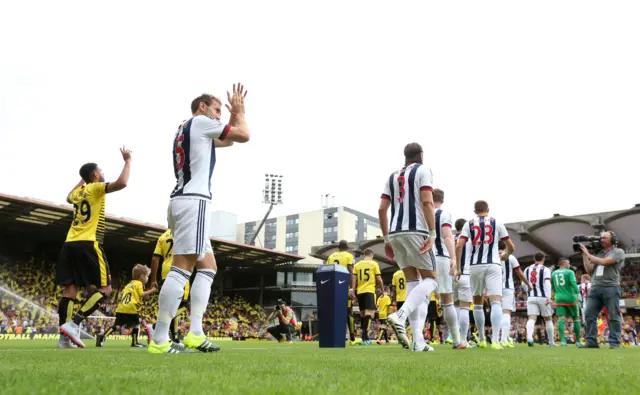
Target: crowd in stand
(33,306)
(34,309)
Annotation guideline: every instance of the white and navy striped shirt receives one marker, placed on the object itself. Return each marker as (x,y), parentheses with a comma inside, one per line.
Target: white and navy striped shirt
(194,156)
(584,291)
(464,255)
(507,272)
(484,233)
(540,279)
(403,190)
(443,220)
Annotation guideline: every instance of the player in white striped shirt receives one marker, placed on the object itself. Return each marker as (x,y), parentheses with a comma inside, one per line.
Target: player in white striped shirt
(511,267)
(539,298)
(484,233)
(409,237)
(462,287)
(445,250)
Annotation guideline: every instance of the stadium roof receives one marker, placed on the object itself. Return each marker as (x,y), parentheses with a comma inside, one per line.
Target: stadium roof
(553,236)
(23,214)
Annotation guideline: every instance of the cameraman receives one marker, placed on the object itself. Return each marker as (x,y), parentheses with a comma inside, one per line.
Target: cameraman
(605,289)
(286,322)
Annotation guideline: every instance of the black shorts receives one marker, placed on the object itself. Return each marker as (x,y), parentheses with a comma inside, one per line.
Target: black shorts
(399,304)
(433,311)
(366,301)
(128,320)
(83,263)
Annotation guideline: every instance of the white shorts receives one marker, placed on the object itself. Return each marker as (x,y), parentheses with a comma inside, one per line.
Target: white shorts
(508,299)
(445,281)
(538,306)
(462,289)
(406,247)
(486,276)
(189,221)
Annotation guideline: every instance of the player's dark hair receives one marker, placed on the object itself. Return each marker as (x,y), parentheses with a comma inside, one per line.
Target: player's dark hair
(343,245)
(438,195)
(460,224)
(539,256)
(481,207)
(412,153)
(563,259)
(368,252)
(203,98)
(501,245)
(86,172)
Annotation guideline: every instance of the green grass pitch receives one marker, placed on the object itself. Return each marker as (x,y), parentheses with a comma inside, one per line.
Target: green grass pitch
(37,367)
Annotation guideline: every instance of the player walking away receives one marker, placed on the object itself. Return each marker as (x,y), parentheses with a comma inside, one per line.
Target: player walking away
(462,287)
(366,277)
(446,266)
(399,286)
(409,236)
(189,214)
(584,287)
(538,300)
(164,253)
(511,267)
(383,303)
(128,310)
(82,261)
(563,281)
(344,258)
(484,233)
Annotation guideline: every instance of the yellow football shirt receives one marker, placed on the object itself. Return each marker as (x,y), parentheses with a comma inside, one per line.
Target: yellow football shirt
(342,258)
(366,272)
(164,250)
(131,299)
(88,213)
(384,302)
(400,283)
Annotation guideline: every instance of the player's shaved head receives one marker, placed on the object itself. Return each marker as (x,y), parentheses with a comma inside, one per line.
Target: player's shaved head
(368,253)
(438,195)
(87,172)
(563,262)
(539,256)
(481,206)
(460,224)
(203,98)
(412,153)
(343,245)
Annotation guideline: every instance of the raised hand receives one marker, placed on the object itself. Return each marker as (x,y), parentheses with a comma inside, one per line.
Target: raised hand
(426,246)
(236,101)
(126,154)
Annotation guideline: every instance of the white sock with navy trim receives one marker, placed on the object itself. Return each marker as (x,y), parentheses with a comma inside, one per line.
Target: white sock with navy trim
(200,292)
(168,302)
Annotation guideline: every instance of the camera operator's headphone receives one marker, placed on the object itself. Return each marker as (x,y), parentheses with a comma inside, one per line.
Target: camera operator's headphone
(614,237)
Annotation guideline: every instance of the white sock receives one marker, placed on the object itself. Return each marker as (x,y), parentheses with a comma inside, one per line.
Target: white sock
(200,292)
(478,317)
(417,320)
(550,332)
(421,293)
(451,318)
(530,327)
(496,322)
(506,327)
(168,302)
(463,317)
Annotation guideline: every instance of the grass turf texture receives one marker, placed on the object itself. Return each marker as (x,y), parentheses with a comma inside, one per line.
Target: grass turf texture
(37,367)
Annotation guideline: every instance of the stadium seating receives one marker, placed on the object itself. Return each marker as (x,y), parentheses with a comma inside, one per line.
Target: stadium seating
(35,308)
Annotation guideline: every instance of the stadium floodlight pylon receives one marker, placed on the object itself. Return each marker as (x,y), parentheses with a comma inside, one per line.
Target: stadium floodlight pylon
(271,195)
